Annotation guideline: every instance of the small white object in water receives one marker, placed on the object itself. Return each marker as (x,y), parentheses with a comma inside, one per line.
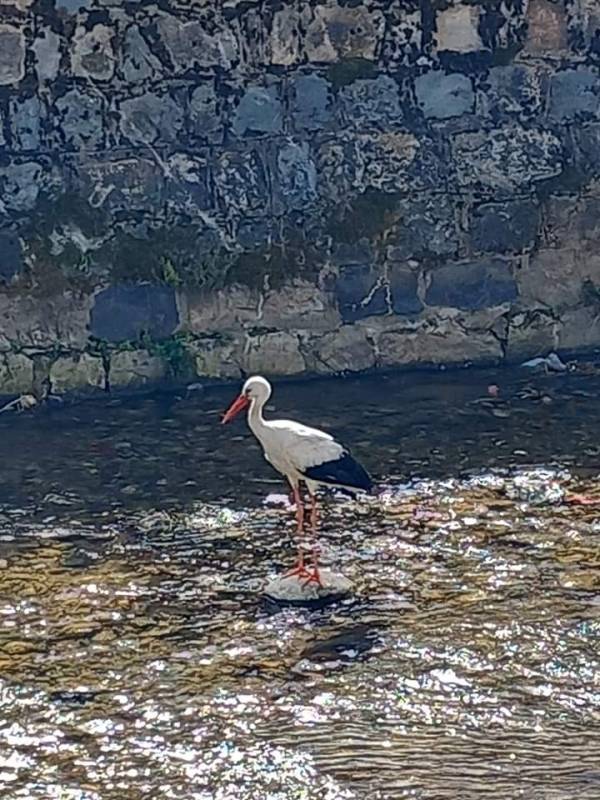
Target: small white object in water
(551,363)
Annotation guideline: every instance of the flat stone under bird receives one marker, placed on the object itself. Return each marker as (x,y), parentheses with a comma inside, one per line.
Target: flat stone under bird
(304,455)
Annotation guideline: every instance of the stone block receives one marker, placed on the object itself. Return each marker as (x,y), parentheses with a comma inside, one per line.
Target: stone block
(338,31)
(457,29)
(79,119)
(472,285)
(505,227)
(77,372)
(507,158)
(587,149)
(276,353)
(296,171)
(46,47)
(579,328)
(555,277)
(230,309)
(28,322)
(546,27)
(25,123)
(358,293)
(299,306)
(205,120)
(198,43)
(438,340)
(11,256)
(441,95)
(260,111)
(16,374)
(403,38)
(513,89)
(574,94)
(92,54)
(404,290)
(286,35)
(311,104)
(20,184)
(345,350)
(188,186)
(531,333)
(372,102)
(124,313)
(139,63)
(12,55)
(217,357)
(150,118)
(427,228)
(135,368)
(126,183)
(241,183)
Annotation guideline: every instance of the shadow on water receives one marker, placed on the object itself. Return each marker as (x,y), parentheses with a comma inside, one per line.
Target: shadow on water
(138,660)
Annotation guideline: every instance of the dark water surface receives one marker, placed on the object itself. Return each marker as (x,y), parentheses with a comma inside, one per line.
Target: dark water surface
(137,660)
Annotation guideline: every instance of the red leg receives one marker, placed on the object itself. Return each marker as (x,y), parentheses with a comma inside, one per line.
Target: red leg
(314,575)
(299,567)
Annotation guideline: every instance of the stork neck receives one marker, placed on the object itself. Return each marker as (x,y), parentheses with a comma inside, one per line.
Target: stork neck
(255,416)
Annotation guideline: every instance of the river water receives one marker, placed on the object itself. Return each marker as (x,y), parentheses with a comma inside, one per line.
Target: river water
(138,659)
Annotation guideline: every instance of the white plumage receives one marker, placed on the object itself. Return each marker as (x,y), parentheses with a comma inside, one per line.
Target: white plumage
(301,453)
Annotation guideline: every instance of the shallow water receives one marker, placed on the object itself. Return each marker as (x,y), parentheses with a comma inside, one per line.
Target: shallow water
(137,659)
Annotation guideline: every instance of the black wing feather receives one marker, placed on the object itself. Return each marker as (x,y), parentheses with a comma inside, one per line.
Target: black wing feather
(343,471)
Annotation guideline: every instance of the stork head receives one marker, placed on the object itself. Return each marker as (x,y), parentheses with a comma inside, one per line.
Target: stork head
(255,390)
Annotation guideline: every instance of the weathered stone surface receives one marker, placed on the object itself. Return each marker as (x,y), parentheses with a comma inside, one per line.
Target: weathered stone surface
(204,113)
(403,40)
(297,177)
(404,290)
(80,119)
(359,292)
(457,29)
(20,185)
(298,306)
(124,313)
(546,27)
(437,340)
(505,227)
(337,31)
(241,183)
(513,89)
(574,93)
(217,357)
(507,158)
(191,46)
(427,228)
(12,55)
(25,123)
(72,373)
(472,285)
(311,102)
(273,354)
(345,350)
(228,310)
(47,55)
(296,591)
(92,53)
(530,334)
(372,103)
(16,374)
(441,95)
(579,328)
(135,368)
(139,63)
(259,112)
(11,258)
(150,117)
(120,184)
(286,35)
(555,278)
(58,320)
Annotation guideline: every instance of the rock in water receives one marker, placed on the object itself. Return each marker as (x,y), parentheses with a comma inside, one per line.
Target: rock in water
(294,590)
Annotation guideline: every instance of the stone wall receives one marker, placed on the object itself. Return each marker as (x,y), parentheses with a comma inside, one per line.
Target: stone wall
(199,188)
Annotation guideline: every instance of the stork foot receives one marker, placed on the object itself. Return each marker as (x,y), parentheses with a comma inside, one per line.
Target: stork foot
(299,569)
(313,576)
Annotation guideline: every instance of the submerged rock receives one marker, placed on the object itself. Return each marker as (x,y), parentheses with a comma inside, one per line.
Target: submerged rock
(294,590)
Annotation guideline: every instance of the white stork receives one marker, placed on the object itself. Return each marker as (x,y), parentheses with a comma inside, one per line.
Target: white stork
(302,454)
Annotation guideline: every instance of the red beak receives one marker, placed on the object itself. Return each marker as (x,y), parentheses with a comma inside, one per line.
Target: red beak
(239,404)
